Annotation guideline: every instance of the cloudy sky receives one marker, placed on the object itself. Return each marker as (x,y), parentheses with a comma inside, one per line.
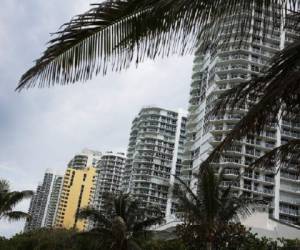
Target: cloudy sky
(43,128)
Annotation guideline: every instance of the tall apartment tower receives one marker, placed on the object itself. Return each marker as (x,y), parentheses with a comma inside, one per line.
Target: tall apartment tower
(154,156)
(109,174)
(87,157)
(77,190)
(53,201)
(108,179)
(220,69)
(39,203)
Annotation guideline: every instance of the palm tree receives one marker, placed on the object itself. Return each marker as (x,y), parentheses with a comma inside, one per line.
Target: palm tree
(121,222)
(212,209)
(9,199)
(115,33)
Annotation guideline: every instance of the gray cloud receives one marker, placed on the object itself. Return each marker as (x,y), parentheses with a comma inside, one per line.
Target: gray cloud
(43,128)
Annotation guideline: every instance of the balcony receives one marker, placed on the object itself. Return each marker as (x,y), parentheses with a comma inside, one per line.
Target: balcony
(291,177)
(229,183)
(248,175)
(290,134)
(263,190)
(269,179)
(231,172)
(289,211)
(247,186)
(290,189)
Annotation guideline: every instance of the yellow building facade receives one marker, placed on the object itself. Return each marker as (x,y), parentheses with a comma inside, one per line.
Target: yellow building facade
(76,194)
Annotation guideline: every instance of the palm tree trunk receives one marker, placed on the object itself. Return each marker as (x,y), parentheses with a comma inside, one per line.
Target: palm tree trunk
(209,245)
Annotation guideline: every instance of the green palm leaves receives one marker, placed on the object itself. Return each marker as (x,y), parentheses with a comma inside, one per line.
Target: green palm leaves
(9,199)
(212,210)
(115,33)
(122,221)
(212,204)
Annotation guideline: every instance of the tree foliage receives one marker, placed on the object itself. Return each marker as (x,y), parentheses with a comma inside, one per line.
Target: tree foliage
(122,222)
(229,236)
(50,239)
(115,33)
(235,237)
(209,211)
(9,199)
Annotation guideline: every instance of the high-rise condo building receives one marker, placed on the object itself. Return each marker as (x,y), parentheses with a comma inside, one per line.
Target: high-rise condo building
(154,156)
(53,201)
(87,157)
(218,70)
(77,189)
(108,179)
(109,174)
(40,202)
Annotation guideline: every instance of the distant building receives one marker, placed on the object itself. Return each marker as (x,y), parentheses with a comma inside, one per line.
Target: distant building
(108,179)
(87,158)
(39,205)
(53,201)
(154,156)
(110,170)
(77,189)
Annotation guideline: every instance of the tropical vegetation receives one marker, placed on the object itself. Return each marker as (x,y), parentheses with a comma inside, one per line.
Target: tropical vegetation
(9,199)
(211,214)
(116,33)
(62,239)
(122,221)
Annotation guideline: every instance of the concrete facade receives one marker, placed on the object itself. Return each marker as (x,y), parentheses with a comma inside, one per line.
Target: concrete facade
(154,155)
(216,71)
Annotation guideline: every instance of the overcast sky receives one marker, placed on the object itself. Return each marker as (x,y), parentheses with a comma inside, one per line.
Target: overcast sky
(43,128)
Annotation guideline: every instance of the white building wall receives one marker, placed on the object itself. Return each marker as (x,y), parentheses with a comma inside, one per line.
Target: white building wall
(154,155)
(216,71)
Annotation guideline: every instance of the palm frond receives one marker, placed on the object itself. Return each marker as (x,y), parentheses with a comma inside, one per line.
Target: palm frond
(11,199)
(4,186)
(16,215)
(185,188)
(117,32)
(277,91)
(286,156)
(148,222)
(191,210)
(95,215)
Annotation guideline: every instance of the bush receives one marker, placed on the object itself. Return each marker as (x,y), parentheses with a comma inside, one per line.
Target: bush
(49,239)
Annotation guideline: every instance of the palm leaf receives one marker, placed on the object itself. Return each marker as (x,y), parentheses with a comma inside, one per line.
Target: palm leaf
(148,222)
(277,90)
(117,32)
(185,188)
(16,215)
(278,94)
(4,186)
(286,156)
(11,199)
(95,215)
(190,204)
(133,211)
